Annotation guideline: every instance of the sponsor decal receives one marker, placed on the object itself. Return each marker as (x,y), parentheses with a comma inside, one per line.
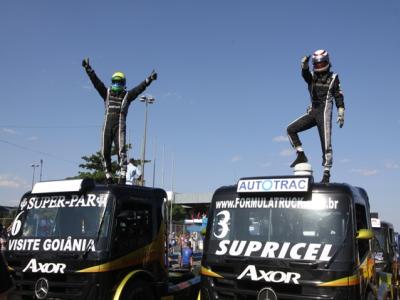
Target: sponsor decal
(375,223)
(89,200)
(67,245)
(251,272)
(277,202)
(273,185)
(297,251)
(37,267)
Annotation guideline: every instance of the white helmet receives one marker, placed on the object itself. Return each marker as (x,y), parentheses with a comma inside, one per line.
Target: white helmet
(320,60)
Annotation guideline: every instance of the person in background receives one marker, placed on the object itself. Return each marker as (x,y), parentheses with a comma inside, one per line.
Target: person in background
(186,261)
(5,279)
(133,173)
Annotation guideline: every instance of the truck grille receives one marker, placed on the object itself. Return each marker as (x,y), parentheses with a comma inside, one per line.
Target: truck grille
(61,286)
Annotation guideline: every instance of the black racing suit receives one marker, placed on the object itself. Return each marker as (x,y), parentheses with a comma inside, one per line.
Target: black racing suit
(114,127)
(323,88)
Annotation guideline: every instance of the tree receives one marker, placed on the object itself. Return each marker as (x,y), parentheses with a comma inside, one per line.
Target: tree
(178,212)
(93,166)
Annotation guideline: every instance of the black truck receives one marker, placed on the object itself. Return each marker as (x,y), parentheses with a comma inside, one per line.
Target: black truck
(75,239)
(385,254)
(287,237)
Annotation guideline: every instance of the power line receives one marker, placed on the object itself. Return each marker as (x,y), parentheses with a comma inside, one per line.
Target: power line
(39,152)
(50,127)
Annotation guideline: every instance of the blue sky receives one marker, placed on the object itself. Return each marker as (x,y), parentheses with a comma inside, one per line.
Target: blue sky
(229,84)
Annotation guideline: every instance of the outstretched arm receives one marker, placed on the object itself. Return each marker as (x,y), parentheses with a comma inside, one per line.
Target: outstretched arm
(136,91)
(97,83)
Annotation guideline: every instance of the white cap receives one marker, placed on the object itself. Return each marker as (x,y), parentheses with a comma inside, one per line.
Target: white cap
(303,169)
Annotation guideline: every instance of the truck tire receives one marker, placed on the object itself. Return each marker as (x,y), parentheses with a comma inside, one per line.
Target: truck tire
(138,290)
(370,296)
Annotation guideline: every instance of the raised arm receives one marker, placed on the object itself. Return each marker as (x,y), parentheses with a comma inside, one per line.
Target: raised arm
(305,70)
(97,83)
(136,91)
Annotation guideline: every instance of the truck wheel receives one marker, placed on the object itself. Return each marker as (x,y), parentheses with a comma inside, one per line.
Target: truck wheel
(370,296)
(139,290)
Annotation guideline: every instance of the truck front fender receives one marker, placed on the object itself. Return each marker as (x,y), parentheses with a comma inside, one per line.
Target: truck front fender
(131,276)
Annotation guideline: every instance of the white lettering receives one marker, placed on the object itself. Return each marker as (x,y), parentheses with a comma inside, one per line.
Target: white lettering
(270,276)
(37,267)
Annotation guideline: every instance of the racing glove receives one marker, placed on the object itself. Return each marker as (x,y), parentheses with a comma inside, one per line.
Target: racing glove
(304,62)
(153,76)
(86,65)
(340,118)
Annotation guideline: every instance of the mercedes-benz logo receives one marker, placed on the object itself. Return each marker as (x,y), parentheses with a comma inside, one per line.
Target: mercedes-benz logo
(41,288)
(267,294)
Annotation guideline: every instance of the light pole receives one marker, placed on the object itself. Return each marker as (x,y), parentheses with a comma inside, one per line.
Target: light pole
(147,100)
(34,166)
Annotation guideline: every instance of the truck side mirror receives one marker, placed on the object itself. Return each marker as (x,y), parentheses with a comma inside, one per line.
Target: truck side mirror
(365,234)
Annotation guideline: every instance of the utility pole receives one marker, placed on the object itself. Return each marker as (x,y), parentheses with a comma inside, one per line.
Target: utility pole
(147,100)
(34,166)
(41,168)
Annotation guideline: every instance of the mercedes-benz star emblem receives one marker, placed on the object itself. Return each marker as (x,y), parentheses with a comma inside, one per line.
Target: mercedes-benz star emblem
(267,294)
(41,288)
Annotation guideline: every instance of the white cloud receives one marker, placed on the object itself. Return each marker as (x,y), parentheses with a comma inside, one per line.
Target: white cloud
(286,152)
(345,160)
(236,158)
(280,139)
(365,172)
(13,182)
(9,131)
(32,138)
(392,166)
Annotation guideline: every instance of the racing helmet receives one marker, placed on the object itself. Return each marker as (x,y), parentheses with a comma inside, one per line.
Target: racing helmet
(118,82)
(320,60)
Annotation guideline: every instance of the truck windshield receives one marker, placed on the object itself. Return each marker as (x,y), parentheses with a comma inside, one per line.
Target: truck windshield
(61,222)
(279,227)
(380,237)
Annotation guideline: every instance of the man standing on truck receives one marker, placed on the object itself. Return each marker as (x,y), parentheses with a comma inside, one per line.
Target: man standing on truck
(117,100)
(324,87)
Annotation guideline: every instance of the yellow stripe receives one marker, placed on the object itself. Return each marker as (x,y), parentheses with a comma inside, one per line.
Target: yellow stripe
(122,284)
(345,281)
(207,272)
(147,254)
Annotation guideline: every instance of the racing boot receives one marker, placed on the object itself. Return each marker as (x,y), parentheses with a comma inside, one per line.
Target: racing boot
(301,158)
(122,180)
(109,179)
(326,177)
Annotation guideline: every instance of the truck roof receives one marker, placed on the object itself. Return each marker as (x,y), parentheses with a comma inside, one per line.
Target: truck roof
(84,186)
(357,193)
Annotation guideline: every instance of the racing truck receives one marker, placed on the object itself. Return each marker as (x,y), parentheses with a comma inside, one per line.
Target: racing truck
(385,253)
(75,239)
(288,237)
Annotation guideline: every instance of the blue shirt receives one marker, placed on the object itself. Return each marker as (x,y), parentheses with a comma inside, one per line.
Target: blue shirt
(187,253)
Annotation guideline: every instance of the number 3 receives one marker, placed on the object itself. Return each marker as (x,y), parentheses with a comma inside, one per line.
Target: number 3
(224,228)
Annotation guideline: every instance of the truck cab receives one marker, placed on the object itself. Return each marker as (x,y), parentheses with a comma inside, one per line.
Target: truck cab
(385,253)
(75,239)
(287,237)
